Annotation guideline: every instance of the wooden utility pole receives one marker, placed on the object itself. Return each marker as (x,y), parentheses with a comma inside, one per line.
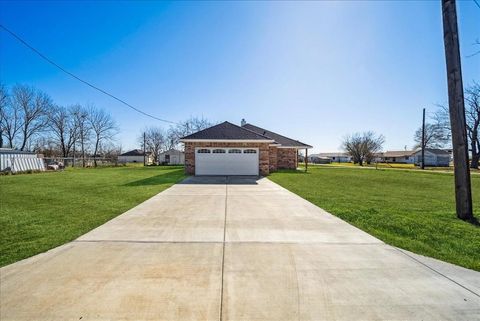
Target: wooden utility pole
(144,149)
(463,193)
(423,140)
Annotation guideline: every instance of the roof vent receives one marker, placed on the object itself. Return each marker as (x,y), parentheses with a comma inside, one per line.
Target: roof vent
(243,122)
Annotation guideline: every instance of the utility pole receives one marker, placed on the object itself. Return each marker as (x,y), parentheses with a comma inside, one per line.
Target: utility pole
(423,140)
(463,193)
(144,149)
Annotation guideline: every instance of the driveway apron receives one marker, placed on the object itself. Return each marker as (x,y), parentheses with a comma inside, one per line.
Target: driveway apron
(233,248)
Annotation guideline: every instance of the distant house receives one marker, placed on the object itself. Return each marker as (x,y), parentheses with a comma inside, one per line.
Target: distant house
(335,157)
(397,156)
(135,156)
(433,157)
(172,157)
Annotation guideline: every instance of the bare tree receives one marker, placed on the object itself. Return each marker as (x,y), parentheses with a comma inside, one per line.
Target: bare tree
(3,110)
(363,146)
(82,127)
(155,139)
(103,128)
(62,126)
(33,107)
(11,120)
(472,114)
(435,136)
(187,127)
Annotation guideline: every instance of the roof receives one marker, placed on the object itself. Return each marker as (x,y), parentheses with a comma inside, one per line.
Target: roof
(135,152)
(398,153)
(436,151)
(333,154)
(279,139)
(14,151)
(226,131)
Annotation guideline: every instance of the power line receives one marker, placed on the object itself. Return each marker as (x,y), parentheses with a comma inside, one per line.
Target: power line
(477,3)
(80,79)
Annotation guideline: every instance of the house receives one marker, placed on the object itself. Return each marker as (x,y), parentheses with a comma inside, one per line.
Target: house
(317,159)
(135,156)
(397,156)
(12,160)
(172,157)
(335,157)
(229,149)
(433,157)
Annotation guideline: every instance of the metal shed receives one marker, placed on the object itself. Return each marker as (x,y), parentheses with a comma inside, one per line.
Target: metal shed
(19,161)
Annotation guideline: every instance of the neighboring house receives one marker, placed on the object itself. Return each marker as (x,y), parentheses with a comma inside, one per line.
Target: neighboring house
(172,157)
(135,156)
(433,157)
(317,159)
(335,157)
(228,149)
(12,160)
(397,156)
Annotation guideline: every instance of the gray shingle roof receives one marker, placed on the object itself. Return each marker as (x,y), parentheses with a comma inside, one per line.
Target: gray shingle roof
(226,131)
(280,139)
(135,152)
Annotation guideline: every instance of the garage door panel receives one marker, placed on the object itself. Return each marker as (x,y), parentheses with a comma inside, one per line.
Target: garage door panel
(226,163)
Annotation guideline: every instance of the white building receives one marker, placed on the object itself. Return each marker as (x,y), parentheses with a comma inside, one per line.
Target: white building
(335,157)
(433,157)
(135,156)
(12,160)
(397,156)
(172,157)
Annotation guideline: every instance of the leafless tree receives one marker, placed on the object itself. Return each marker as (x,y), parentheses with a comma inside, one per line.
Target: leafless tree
(103,128)
(187,127)
(11,120)
(83,131)
(155,139)
(363,146)
(435,136)
(3,110)
(472,114)
(62,128)
(34,106)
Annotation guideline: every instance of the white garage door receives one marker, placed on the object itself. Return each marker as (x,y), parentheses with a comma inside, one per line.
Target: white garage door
(226,161)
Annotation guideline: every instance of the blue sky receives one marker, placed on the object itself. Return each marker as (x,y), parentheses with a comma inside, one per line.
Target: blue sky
(314,71)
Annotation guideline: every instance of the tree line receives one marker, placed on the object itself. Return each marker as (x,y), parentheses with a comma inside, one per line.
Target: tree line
(31,120)
(157,139)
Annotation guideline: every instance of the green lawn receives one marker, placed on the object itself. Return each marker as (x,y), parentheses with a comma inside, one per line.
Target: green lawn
(41,211)
(413,210)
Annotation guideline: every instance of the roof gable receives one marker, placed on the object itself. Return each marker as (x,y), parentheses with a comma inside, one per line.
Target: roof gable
(135,152)
(226,131)
(280,139)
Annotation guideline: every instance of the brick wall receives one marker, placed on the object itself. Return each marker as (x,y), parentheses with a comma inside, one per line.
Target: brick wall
(286,158)
(273,158)
(262,147)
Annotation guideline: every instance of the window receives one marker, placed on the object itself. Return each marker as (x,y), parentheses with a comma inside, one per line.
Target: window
(219,151)
(234,151)
(249,151)
(203,151)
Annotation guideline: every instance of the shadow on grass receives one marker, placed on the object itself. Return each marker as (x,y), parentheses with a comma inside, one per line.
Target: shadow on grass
(165,178)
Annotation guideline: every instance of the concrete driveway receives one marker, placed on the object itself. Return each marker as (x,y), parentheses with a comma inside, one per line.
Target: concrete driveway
(233,249)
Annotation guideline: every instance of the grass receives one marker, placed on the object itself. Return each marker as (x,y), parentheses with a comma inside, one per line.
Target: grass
(413,210)
(42,211)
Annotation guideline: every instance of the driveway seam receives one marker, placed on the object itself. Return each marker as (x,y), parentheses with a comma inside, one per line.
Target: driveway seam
(438,272)
(223,248)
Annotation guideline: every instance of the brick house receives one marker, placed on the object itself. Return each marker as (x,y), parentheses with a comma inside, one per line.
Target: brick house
(228,149)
